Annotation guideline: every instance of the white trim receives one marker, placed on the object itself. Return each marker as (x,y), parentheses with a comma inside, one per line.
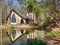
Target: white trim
(13,23)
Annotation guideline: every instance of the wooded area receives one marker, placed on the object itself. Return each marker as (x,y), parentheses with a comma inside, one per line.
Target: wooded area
(46,17)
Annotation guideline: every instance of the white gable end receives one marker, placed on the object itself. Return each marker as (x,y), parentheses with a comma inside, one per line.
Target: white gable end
(17,17)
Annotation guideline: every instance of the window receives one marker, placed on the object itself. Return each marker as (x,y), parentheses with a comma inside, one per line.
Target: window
(13,32)
(22,21)
(13,19)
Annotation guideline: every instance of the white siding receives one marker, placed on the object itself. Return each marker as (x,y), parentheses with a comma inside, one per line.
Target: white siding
(18,18)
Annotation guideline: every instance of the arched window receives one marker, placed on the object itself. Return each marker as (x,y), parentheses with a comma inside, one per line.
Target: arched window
(13,32)
(22,21)
(13,19)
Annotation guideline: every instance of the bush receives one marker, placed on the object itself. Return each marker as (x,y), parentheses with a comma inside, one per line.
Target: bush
(27,32)
(36,42)
(54,33)
(12,28)
(49,21)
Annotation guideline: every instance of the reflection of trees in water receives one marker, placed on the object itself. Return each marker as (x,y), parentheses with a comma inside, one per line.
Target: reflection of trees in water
(4,40)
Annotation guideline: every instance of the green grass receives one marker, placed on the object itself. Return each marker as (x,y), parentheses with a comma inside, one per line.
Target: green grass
(12,28)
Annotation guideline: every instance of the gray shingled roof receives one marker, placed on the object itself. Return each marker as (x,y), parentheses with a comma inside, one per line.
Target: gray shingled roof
(23,14)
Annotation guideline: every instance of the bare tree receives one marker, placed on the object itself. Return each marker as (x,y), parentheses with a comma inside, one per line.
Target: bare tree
(9,5)
(0,12)
(3,11)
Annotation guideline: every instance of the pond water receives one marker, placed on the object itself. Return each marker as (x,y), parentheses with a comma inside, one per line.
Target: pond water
(19,43)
